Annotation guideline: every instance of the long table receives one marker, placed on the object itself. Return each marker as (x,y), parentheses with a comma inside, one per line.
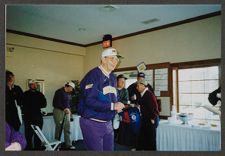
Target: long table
(49,128)
(178,137)
(170,137)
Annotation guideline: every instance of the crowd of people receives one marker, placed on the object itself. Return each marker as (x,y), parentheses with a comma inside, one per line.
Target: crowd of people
(103,96)
(109,112)
(25,107)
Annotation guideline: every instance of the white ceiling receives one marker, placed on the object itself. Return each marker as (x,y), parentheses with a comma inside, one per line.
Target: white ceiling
(85,24)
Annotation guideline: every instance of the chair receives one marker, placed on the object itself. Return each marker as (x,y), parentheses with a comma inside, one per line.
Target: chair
(50,146)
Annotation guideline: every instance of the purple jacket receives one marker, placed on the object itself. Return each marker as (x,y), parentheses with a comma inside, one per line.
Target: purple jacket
(97,93)
(14,136)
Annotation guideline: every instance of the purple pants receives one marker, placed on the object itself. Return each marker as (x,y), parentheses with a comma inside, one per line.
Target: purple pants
(98,136)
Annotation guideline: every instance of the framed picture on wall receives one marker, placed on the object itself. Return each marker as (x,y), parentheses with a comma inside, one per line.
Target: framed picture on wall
(40,84)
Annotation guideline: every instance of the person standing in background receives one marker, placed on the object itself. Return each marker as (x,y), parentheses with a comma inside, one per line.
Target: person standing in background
(123,98)
(149,117)
(215,96)
(33,101)
(122,91)
(123,134)
(99,103)
(132,89)
(61,104)
(14,96)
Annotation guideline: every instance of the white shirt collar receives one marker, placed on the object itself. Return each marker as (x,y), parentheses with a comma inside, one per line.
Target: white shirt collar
(142,93)
(104,71)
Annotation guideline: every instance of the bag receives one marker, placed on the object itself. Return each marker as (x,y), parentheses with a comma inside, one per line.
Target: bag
(116,121)
(126,117)
(135,118)
(19,112)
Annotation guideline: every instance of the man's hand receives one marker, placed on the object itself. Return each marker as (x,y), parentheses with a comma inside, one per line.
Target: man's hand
(118,106)
(152,121)
(67,111)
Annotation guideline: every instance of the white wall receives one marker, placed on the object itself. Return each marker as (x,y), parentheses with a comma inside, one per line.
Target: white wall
(54,67)
(199,40)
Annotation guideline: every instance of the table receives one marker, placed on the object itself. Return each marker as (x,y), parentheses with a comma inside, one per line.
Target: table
(178,137)
(49,128)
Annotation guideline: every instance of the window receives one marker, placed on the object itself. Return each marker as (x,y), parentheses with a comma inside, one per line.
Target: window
(194,86)
(130,81)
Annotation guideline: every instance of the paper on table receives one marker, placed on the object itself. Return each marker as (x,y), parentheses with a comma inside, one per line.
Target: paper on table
(211,109)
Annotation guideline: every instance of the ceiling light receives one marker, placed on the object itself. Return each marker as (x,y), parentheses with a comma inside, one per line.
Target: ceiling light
(150,21)
(81,29)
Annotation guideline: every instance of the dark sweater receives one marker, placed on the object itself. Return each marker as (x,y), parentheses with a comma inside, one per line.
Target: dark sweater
(132,90)
(61,99)
(15,94)
(33,101)
(148,106)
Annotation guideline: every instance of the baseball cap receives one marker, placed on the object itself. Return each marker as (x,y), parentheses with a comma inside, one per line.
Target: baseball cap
(31,81)
(71,84)
(141,75)
(121,76)
(110,52)
(142,82)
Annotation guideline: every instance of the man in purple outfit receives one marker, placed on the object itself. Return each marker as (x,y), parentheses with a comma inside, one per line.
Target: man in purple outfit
(14,141)
(99,104)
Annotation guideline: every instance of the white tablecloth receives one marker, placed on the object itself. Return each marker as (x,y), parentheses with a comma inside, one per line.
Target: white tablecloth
(177,137)
(49,128)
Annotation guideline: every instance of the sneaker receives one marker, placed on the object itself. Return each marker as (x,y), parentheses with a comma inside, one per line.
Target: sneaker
(133,149)
(71,147)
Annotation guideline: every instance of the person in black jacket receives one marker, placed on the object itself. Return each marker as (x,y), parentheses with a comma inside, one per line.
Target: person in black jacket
(33,101)
(14,95)
(149,117)
(215,96)
(134,95)
(132,89)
